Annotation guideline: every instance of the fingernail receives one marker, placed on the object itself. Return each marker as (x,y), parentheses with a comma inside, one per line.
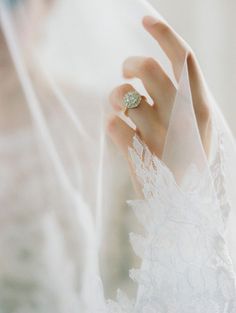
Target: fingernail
(150,20)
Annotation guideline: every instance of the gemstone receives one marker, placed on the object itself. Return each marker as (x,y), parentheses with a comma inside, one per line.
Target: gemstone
(132,100)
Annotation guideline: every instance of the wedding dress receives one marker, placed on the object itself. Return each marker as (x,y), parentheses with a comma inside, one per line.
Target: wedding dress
(63,188)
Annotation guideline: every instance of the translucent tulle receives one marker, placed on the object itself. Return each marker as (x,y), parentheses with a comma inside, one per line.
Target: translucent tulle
(65,223)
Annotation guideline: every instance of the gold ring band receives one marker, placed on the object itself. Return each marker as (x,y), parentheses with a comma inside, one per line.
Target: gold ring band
(131,100)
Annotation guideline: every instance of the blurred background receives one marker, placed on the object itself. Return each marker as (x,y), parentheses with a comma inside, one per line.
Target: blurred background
(209,26)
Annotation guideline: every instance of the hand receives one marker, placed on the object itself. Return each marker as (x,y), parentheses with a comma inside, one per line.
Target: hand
(153,119)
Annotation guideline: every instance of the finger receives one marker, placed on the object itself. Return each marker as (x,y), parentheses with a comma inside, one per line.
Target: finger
(144,116)
(199,90)
(120,133)
(122,136)
(172,44)
(155,80)
(177,50)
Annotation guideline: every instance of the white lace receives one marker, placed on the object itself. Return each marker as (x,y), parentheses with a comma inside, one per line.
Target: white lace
(186,267)
(185,263)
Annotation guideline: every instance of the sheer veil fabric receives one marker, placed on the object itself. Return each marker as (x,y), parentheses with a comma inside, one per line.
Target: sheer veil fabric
(63,188)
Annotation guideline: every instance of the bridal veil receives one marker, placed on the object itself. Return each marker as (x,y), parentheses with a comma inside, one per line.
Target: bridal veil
(62,181)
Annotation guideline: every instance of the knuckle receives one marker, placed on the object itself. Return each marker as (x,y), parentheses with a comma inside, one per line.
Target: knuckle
(120,90)
(111,124)
(191,57)
(203,113)
(117,93)
(125,88)
(163,27)
(148,65)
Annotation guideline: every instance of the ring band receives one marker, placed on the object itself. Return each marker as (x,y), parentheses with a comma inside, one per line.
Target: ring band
(131,100)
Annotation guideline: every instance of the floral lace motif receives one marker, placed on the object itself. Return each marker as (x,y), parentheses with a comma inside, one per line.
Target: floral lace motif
(185,263)
(217,170)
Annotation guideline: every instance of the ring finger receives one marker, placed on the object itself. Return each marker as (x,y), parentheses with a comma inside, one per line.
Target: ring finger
(144,116)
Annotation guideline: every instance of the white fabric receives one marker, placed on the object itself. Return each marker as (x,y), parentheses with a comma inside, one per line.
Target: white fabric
(62,183)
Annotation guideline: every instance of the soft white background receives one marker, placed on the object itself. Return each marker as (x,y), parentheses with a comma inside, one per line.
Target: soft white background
(209,26)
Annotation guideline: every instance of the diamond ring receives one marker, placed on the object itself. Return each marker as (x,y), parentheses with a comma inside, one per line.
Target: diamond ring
(131,100)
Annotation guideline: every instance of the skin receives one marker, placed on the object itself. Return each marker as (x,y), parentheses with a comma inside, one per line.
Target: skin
(153,119)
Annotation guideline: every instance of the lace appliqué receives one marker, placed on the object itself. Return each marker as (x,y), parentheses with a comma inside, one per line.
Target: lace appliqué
(217,170)
(185,263)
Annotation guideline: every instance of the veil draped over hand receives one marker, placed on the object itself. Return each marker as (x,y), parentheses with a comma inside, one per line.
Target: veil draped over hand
(62,183)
